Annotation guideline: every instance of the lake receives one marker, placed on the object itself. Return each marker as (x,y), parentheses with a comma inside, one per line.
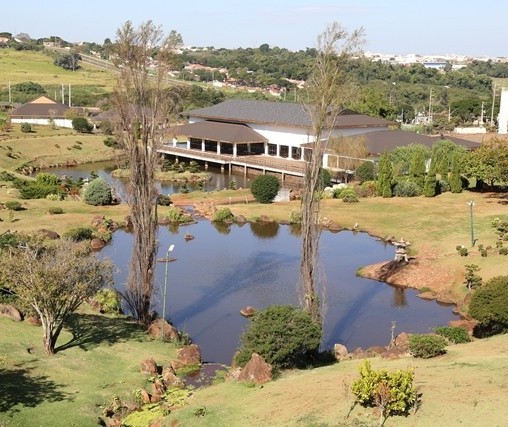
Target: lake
(224,269)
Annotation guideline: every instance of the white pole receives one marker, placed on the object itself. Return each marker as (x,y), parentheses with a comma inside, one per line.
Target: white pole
(170,249)
(63,94)
(69,94)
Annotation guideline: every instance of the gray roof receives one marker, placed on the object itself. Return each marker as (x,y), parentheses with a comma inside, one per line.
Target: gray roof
(378,142)
(278,113)
(41,107)
(219,131)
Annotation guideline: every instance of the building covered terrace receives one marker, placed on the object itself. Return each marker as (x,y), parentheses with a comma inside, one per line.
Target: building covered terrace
(222,138)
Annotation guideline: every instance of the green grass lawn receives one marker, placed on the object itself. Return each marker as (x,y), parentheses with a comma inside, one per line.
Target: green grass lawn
(98,357)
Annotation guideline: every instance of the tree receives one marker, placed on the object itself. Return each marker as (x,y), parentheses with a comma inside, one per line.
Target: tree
(366,171)
(385,176)
(429,189)
(455,181)
(81,125)
(350,151)
(488,163)
(54,280)
(417,168)
(264,188)
(329,91)
(68,61)
(144,104)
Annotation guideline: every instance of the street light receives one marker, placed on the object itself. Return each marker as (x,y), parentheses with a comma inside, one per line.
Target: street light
(170,249)
(471,204)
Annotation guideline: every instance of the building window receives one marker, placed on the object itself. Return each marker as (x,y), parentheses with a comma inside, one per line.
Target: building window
(296,153)
(284,151)
(272,149)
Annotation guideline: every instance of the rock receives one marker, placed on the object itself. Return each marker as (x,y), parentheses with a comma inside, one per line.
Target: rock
(128,222)
(177,364)
(7,310)
(190,355)
(159,387)
(154,398)
(234,374)
(145,396)
(426,295)
(188,236)
(33,320)
(49,234)
(334,228)
(170,332)
(113,226)
(171,379)
(97,220)
(102,229)
(395,353)
(247,311)
(468,325)
(256,370)
(341,352)
(359,353)
(163,220)
(97,244)
(376,350)
(240,219)
(402,340)
(155,423)
(265,218)
(148,366)
(445,298)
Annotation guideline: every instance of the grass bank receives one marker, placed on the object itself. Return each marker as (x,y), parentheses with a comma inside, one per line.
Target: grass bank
(98,358)
(45,147)
(467,386)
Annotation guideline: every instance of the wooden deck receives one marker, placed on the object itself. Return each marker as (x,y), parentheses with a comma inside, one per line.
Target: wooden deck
(258,162)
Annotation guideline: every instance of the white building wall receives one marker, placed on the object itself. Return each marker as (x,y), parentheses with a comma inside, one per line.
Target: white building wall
(63,123)
(294,136)
(503,112)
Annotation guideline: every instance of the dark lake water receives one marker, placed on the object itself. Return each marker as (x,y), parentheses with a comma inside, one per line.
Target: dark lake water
(222,270)
(226,268)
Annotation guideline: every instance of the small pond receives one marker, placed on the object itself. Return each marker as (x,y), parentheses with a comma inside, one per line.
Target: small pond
(224,269)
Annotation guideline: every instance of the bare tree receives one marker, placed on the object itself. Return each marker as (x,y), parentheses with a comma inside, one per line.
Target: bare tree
(350,152)
(54,280)
(144,104)
(329,91)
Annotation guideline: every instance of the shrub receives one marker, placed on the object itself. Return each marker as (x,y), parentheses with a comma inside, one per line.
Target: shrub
(81,125)
(264,188)
(111,143)
(426,346)
(13,205)
(285,336)
(463,251)
(489,305)
(98,193)
(53,197)
(6,176)
(368,189)
(36,189)
(472,280)
(326,178)
(407,189)
(348,195)
(295,217)
(232,185)
(79,233)
(453,334)
(47,178)
(77,147)
(442,186)
(164,200)
(109,301)
(393,393)
(503,251)
(365,172)
(55,210)
(26,127)
(222,215)
(176,216)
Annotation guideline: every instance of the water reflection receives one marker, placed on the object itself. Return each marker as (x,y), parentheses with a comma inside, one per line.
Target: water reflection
(264,230)
(216,274)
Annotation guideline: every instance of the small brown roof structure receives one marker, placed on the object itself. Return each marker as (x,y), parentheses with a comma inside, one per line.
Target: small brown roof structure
(219,131)
(278,113)
(377,142)
(42,107)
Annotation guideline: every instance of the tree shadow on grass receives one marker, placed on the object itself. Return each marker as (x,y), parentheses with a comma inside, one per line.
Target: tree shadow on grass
(19,387)
(90,330)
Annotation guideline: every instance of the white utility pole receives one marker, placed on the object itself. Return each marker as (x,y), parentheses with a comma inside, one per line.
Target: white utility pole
(63,94)
(69,94)
(493,103)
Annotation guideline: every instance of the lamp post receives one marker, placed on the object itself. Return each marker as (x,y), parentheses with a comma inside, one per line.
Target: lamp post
(471,204)
(170,249)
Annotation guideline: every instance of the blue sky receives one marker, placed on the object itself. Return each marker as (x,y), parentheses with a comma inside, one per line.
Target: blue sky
(391,26)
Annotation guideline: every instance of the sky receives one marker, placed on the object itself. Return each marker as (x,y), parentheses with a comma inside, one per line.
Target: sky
(463,27)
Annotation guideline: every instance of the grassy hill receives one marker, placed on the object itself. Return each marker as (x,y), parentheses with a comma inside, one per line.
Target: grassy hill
(21,66)
(100,357)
